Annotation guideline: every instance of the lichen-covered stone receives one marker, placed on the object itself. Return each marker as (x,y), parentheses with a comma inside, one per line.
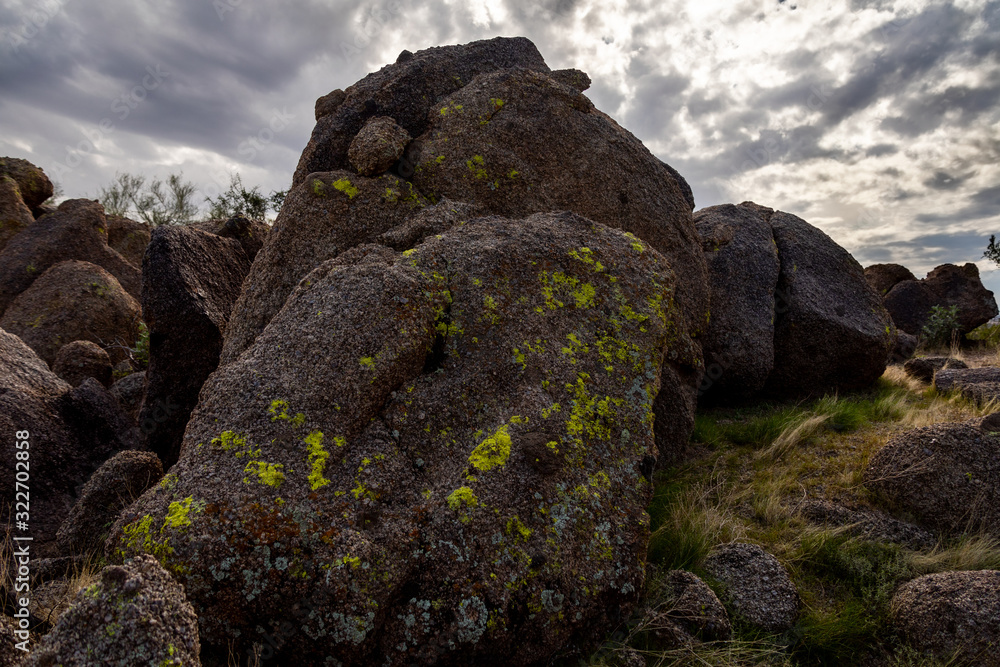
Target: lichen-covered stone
(190,281)
(378,146)
(757,588)
(947,476)
(113,487)
(951,614)
(72,301)
(76,231)
(321,218)
(82,359)
(136,616)
(743,271)
(439,456)
(14,215)
(34,185)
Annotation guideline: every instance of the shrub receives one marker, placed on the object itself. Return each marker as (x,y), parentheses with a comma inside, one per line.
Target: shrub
(941,323)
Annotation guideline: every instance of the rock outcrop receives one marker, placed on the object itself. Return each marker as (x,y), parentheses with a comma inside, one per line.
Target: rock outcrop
(135,615)
(69,433)
(980,385)
(924,368)
(743,272)
(910,301)
(436,456)
(951,614)
(34,186)
(73,301)
(250,233)
(883,277)
(757,586)
(14,214)
(82,359)
(190,281)
(76,231)
(947,476)
(792,314)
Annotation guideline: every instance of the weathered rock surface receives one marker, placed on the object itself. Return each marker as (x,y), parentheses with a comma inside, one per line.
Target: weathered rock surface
(516,141)
(250,233)
(694,608)
(910,301)
(743,272)
(190,281)
(113,487)
(76,231)
(72,301)
(439,456)
(128,391)
(757,586)
(831,331)
(70,433)
(331,213)
(951,612)
(905,348)
(34,185)
(82,359)
(128,238)
(378,146)
(946,476)
(883,277)
(136,615)
(10,655)
(405,91)
(14,214)
(924,368)
(959,378)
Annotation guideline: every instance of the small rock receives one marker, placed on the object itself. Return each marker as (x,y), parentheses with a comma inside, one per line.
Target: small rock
(757,586)
(924,368)
(82,359)
(378,146)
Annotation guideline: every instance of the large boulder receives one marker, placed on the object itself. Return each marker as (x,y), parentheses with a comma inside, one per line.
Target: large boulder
(405,91)
(249,232)
(910,301)
(69,433)
(516,141)
(82,359)
(190,281)
(951,615)
(34,186)
(756,586)
(743,271)
(14,215)
(128,238)
(437,457)
(76,231)
(947,476)
(883,277)
(331,213)
(831,332)
(72,301)
(135,615)
(113,487)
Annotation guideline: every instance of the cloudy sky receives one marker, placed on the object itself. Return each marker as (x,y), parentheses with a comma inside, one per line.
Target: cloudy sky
(876,120)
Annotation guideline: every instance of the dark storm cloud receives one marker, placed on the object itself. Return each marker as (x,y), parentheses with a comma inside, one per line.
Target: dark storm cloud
(942,180)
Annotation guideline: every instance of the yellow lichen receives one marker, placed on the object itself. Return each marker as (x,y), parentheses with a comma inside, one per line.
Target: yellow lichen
(317,459)
(493,451)
(345,186)
(462,496)
(269,474)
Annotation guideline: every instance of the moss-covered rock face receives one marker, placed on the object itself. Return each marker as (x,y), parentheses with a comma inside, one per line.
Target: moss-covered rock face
(136,615)
(434,456)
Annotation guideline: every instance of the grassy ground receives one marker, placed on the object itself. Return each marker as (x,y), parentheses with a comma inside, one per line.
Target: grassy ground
(753,469)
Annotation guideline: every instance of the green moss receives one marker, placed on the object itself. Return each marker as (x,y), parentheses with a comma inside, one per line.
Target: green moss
(317,459)
(345,186)
(228,440)
(367,362)
(279,410)
(493,451)
(476,165)
(463,496)
(318,188)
